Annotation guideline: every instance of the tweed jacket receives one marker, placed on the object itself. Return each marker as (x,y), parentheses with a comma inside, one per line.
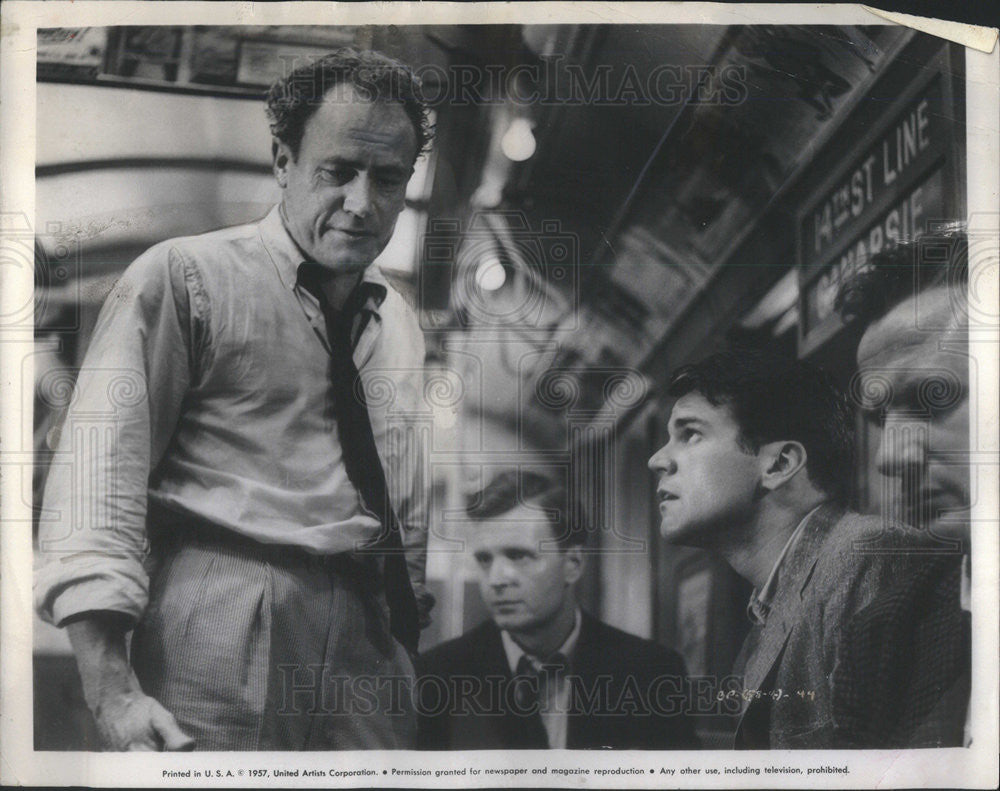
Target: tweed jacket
(841,562)
(903,679)
(626,693)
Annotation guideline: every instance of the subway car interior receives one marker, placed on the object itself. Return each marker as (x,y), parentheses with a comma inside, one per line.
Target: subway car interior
(601,204)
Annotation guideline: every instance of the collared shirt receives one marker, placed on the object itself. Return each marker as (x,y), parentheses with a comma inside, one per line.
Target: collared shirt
(206,392)
(554,708)
(759,605)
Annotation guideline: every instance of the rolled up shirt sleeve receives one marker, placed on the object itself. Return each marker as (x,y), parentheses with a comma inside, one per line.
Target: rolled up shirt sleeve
(122,415)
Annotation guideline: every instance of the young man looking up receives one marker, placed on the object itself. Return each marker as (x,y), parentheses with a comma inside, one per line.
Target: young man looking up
(755,470)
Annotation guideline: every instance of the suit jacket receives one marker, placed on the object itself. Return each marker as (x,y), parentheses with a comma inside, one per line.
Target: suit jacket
(904,675)
(626,693)
(841,563)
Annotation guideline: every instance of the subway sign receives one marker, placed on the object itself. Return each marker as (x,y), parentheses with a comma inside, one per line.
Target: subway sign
(887,194)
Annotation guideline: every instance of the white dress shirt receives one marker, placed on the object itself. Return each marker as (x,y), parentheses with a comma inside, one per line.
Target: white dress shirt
(554,698)
(206,393)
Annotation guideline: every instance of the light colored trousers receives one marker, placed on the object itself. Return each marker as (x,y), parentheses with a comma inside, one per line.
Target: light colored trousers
(266,648)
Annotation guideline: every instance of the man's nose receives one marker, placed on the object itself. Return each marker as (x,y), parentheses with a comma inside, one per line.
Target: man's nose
(499,575)
(663,460)
(358,195)
(902,447)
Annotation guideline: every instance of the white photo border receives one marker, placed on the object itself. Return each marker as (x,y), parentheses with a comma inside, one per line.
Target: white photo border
(974,767)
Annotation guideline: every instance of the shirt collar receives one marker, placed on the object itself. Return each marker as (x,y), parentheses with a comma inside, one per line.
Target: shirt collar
(759,605)
(514,652)
(287,257)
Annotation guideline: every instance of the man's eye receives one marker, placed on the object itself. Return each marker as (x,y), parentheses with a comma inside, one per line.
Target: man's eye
(482,560)
(338,176)
(690,435)
(392,181)
(517,554)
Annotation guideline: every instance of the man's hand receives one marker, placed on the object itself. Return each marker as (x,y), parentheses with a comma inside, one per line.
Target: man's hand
(134,721)
(127,718)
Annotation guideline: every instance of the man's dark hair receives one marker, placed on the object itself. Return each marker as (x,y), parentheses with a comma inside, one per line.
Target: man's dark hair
(774,398)
(512,488)
(902,270)
(293,99)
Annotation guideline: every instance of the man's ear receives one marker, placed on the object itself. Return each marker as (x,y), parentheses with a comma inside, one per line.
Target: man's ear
(573,563)
(780,462)
(281,156)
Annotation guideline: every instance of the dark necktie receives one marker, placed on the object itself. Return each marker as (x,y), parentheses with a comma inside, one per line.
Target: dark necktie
(361,459)
(531,690)
(527,686)
(532,681)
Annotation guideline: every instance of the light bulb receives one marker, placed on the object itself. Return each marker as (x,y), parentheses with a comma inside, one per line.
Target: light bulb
(518,142)
(490,274)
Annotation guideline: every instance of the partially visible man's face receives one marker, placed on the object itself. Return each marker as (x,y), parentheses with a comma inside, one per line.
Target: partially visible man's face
(345,189)
(925,438)
(524,578)
(707,482)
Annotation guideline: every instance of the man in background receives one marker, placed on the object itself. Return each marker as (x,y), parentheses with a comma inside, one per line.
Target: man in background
(755,470)
(542,672)
(236,445)
(905,676)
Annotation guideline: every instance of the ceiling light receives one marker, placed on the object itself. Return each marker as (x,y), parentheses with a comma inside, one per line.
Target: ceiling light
(490,274)
(518,142)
